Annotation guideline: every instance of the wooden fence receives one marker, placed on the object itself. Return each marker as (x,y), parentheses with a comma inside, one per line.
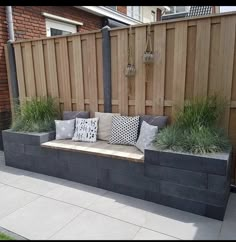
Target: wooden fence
(192,57)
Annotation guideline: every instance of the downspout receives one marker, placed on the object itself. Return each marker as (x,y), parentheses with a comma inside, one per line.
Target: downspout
(10,23)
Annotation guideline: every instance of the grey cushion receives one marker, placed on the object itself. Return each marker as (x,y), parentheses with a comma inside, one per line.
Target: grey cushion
(146,137)
(65,129)
(86,129)
(75,114)
(124,130)
(159,121)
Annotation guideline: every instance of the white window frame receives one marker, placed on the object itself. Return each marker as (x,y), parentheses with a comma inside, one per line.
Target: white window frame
(132,12)
(153,14)
(51,23)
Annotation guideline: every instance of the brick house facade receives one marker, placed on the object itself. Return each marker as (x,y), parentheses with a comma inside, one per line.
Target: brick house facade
(29,23)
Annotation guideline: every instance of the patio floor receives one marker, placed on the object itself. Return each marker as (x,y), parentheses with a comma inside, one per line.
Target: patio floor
(36,206)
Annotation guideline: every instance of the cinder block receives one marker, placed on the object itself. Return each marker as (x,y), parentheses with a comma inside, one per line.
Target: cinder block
(13,147)
(178,176)
(129,191)
(194,194)
(151,157)
(217,183)
(134,181)
(153,196)
(27,138)
(183,204)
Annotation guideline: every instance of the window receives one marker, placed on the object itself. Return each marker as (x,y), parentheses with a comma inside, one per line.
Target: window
(178,9)
(55,27)
(112,7)
(134,12)
(153,16)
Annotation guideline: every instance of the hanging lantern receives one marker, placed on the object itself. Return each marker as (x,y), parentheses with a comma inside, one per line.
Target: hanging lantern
(130,69)
(148,56)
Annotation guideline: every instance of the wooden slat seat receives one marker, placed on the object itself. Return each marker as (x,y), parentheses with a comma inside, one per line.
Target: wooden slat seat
(100,148)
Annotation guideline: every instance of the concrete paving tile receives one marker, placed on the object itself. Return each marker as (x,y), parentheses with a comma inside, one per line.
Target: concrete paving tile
(146,234)
(40,219)
(76,193)
(13,199)
(94,226)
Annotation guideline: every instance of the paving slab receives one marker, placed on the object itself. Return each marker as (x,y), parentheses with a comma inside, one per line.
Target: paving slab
(146,234)
(94,226)
(76,193)
(40,219)
(9,175)
(12,199)
(228,231)
(37,183)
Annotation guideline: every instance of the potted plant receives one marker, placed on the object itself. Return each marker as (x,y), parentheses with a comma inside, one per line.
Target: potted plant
(196,154)
(32,125)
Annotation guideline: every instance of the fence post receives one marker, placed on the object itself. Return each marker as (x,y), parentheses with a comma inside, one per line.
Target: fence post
(106,53)
(12,72)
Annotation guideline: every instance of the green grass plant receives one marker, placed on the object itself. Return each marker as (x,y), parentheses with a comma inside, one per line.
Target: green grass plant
(196,128)
(36,115)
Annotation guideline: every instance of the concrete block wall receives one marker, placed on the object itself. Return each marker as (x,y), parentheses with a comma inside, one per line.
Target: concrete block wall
(194,184)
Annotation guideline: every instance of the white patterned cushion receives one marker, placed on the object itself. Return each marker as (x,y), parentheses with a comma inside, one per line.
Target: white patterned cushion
(65,129)
(146,136)
(86,129)
(104,125)
(124,130)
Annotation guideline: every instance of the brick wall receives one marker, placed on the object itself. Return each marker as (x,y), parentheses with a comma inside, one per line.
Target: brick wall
(122,9)
(158,15)
(30,23)
(4,94)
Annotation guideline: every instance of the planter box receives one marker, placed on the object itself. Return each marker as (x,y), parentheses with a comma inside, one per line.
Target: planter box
(196,183)
(20,148)
(193,183)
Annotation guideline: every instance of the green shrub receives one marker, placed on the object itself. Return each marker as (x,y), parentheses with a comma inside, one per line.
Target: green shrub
(196,128)
(37,115)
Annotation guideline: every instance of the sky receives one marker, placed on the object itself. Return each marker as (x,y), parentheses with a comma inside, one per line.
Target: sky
(227,8)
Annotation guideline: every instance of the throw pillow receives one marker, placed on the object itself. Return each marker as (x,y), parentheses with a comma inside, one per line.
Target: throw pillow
(159,121)
(124,130)
(104,125)
(146,136)
(86,129)
(65,129)
(75,114)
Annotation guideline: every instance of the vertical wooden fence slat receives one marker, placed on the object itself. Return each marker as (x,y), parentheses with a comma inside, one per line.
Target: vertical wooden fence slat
(65,73)
(40,74)
(159,69)
(140,42)
(20,72)
(29,70)
(227,45)
(52,68)
(92,74)
(78,73)
(180,55)
(202,57)
(121,65)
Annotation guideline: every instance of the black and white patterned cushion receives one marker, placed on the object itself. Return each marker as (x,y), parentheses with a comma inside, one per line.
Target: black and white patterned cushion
(86,129)
(124,130)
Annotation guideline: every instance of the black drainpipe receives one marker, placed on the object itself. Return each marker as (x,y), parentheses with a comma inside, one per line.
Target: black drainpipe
(106,53)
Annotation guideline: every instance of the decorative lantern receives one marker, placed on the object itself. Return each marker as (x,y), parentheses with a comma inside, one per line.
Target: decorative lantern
(148,56)
(130,69)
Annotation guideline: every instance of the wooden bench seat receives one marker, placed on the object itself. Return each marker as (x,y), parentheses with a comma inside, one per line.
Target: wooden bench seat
(101,148)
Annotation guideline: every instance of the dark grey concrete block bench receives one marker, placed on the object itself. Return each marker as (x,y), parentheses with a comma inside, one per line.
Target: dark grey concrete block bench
(197,184)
